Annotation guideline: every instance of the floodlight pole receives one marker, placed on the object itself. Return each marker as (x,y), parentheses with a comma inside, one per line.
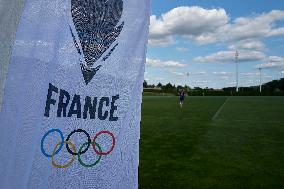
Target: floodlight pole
(260,79)
(237,71)
(280,75)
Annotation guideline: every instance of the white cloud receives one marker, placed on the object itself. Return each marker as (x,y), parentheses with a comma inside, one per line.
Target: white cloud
(198,73)
(214,25)
(249,74)
(223,73)
(164,41)
(225,77)
(272,62)
(248,28)
(270,65)
(159,78)
(179,74)
(182,49)
(254,27)
(268,76)
(229,57)
(164,64)
(190,73)
(202,81)
(248,45)
(186,21)
(277,31)
(276,59)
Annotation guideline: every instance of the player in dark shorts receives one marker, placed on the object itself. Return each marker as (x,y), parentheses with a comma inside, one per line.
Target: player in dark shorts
(181,97)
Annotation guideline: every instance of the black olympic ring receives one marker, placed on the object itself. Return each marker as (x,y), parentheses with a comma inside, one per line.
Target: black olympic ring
(78,131)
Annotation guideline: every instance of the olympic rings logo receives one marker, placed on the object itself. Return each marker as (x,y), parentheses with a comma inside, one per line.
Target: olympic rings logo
(83,149)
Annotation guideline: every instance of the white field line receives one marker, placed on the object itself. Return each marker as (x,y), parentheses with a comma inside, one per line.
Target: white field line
(254,120)
(220,109)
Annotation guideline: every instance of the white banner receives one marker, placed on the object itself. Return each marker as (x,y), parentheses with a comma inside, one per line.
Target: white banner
(72,100)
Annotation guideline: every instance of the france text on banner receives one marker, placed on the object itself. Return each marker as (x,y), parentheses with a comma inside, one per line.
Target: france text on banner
(72,100)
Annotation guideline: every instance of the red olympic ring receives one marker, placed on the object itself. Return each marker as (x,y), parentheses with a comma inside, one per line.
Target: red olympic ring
(113,143)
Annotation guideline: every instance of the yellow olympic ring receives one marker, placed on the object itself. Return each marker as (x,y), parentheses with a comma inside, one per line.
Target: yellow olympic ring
(54,151)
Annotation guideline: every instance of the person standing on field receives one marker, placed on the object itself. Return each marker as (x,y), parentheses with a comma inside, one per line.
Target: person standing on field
(181,97)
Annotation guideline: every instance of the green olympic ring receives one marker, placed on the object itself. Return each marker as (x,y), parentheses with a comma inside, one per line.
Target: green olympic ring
(79,155)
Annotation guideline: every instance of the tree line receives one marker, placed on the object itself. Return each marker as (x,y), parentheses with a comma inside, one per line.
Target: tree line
(275,87)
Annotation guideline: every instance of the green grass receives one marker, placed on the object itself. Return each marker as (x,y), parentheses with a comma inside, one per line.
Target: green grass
(243,147)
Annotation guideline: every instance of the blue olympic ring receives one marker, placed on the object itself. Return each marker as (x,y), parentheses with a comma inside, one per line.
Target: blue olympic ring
(43,138)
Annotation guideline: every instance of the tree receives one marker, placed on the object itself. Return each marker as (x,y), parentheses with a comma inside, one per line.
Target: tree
(169,88)
(145,85)
(186,88)
(179,88)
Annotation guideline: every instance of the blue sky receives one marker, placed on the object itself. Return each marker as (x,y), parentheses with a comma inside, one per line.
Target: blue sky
(200,37)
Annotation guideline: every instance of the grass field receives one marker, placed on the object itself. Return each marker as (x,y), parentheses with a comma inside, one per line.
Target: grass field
(213,142)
